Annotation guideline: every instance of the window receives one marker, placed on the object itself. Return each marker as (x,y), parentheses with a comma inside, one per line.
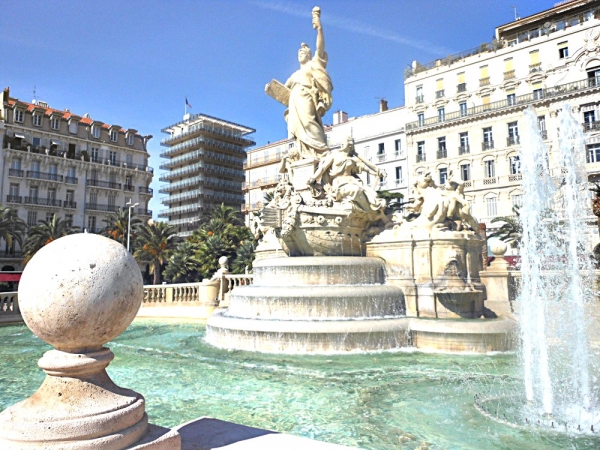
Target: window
(71,172)
(511,99)
(16,163)
(53,170)
(485,100)
(563,50)
(491,205)
(112,199)
(93,198)
(36,141)
(129,159)
(441,114)
(19,115)
(54,123)
(439,93)
(421,119)
(381,149)
(96,131)
(33,192)
(593,153)
(420,151)
(489,168)
(513,133)
(51,193)
(130,137)
(442,153)
(399,175)
(94,154)
(112,156)
(515,165)
(517,200)
(31,218)
(37,120)
(73,125)
(69,219)
(112,177)
(94,174)
(69,198)
(542,126)
(461,86)
(589,116)
(398,147)
(465,172)
(114,135)
(488,138)
(13,193)
(35,166)
(463,108)
(464,141)
(420,97)
(593,76)
(443,175)
(92,224)
(538,94)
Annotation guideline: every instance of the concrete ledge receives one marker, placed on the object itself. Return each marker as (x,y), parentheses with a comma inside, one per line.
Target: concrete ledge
(158,438)
(6,319)
(207,434)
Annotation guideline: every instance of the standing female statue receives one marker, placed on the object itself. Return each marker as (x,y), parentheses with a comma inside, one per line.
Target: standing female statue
(310,96)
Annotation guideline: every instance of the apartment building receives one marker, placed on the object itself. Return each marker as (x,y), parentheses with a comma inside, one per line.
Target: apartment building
(58,163)
(464,110)
(378,137)
(205,157)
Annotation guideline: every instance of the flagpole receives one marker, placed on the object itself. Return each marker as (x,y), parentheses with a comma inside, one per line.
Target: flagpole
(185,107)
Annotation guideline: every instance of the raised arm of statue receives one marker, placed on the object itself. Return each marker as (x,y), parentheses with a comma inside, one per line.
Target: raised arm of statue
(316,21)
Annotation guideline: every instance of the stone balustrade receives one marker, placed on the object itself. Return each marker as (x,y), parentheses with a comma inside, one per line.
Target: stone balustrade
(9,307)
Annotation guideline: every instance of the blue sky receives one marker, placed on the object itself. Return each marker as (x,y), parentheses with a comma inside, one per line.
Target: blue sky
(133,62)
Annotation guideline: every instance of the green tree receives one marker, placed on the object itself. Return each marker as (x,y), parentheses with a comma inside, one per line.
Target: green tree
(183,265)
(244,257)
(511,230)
(227,214)
(393,201)
(155,242)
(47,231)
(12,228)
(117,226)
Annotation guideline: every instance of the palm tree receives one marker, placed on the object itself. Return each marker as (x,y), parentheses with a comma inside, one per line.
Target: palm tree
(183,265)
(393,201)
(155,242)
(117,226)
(47,231)
(12,228)
(244,257)
(227,214)
(511,230)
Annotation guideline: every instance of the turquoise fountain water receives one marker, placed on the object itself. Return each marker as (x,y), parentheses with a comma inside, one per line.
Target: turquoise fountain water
(376,401)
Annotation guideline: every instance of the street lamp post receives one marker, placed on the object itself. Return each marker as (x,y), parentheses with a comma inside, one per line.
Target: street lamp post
(128,204)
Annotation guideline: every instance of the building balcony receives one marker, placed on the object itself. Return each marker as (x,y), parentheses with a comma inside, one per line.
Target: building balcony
(484,81)
(490,180)
(441,154)
(128,188)
(44,176)
(144,212)
(544,134)
(509,75)
(186,146)
(487,145)
(248,207)
(101,207)
(439,94)
(398,182)
(257,162)
(587,127)
(14,199)
(467,183)
(201,128)
(464,149)
(104,184)
(535,67)
(69,204)
(419,99)
(515,177)
(398,154)
(420,158)
(512,140)
(564,90)
(261,182)
(71,180)
(16,173)
(145,190)
(42,201)
(380,157)
(461,87)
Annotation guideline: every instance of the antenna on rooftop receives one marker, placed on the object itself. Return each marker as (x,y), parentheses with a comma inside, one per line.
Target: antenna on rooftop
(515,11)
(34,101)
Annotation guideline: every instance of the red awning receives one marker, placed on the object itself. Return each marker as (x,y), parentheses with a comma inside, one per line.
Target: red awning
(10,277)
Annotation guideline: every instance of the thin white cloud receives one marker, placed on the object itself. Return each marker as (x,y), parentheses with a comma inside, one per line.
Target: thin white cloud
(352,25)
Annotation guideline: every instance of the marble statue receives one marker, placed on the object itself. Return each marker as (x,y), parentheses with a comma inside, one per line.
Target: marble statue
(307,94)
(440,206)
(338,173)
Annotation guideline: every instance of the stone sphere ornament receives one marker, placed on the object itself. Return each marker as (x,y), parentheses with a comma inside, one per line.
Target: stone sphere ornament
(77,293)
(498,248)
(80,291)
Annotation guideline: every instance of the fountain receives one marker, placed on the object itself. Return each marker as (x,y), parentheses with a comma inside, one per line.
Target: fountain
(334,273)
(555,309)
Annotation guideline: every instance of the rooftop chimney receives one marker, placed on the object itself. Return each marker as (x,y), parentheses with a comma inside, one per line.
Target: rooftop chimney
(383,106)
(340,117)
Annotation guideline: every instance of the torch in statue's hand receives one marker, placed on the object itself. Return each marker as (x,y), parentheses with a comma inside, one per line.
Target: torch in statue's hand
(316,18)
